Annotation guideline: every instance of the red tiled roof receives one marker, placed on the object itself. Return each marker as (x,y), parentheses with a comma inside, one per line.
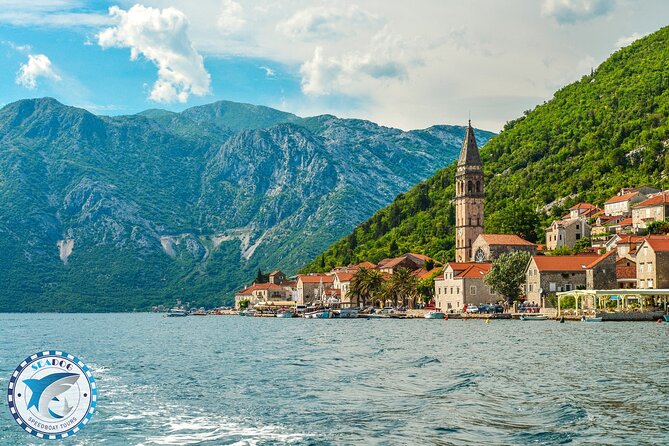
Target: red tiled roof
(583,206)
(345,277)
(477,270)
(368,265)
(316,278)
(505,239)
(420,256)
(563,263)
(267,286)
(626,259)
(659,199)
(659,245)
(597,261)
(460,266)
(619,198)
(626,272)
(289,283)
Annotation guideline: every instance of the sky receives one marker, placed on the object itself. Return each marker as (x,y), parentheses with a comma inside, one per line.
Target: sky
(400,64)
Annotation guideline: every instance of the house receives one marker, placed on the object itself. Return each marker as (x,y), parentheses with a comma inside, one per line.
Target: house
(655,208)
(567,232)
(410,261)
(313,287)
(601,273)
(546,275)
(621,204)
(277,277)
(262,292)
(463,284)
(342,282)
(625,273)
(652,260)
(488,247)
(585,210)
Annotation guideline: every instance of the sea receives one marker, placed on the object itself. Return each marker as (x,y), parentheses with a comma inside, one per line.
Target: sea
(227,380)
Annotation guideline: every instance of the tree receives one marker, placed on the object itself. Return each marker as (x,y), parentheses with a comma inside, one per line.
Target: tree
(517,218)
(583,245)
(366,285)
(323,262)
(659,227)
(244,304)
(507,275)
(401,288)
(261,278)
(394,249)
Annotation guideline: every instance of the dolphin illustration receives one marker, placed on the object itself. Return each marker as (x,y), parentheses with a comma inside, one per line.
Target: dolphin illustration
(47,389)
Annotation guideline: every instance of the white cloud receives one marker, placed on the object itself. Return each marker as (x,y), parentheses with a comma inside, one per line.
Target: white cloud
(321,22)
(231,20)
(38,65)
(574,11)
(162,37)
(628,40)
(49,13)
(16,47)
(346,74)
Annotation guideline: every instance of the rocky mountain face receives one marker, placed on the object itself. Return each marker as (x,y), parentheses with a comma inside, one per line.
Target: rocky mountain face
(121,213)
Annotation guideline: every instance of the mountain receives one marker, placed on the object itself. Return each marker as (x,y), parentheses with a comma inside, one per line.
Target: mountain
(606,131)
(119,213)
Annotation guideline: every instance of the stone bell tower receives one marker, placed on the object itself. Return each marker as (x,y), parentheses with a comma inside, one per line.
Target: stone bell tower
(468,197)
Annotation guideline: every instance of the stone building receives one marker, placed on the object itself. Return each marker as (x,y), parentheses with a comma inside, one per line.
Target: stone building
(463,284)
(277,277)
(652,261)
(655,208)
(621,204)
(488,247)
(601,273)
(567,232)
(626,273)
(468,197)
(342,282)
(546,275)
(313,287)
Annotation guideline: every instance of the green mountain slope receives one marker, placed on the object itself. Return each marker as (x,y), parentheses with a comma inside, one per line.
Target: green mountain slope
(116,213)
(606,131)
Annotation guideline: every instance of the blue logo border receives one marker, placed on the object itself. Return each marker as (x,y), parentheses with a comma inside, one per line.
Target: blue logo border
(91,406)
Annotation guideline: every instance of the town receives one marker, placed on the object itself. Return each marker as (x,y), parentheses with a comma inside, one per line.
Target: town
(620,252)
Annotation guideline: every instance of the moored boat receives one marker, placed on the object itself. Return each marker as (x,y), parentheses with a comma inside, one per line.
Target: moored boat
(287,314)
(177,312)
(200,312)
(538,317)
(592,319)
(323,313)
(348,313)
(434,314)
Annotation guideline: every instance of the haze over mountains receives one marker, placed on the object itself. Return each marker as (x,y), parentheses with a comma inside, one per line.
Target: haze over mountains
(120,213)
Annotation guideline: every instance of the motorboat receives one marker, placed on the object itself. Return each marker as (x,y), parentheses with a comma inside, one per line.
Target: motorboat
(348,313)
(537,317)
(435,314)
(177,312)
(286,314)
(322,313)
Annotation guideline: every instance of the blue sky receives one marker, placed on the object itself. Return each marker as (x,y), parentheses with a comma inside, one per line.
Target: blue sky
(434,62)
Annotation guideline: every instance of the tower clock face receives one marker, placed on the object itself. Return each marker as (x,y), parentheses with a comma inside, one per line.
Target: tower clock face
(459,231)
(479,256)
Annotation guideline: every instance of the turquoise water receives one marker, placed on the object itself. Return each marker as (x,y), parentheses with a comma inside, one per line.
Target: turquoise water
(255,381)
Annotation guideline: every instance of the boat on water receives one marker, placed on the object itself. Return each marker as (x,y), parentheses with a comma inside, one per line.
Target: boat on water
(592,319)
(322,313)
(435,314)
(538,317)
(347,313)
(287,314)
(200,312)
(177,312)
(666,318)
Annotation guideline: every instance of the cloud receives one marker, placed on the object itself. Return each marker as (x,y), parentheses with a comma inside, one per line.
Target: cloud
(38,65)
(385,60)
(16,47)
(268,71)
(162,37)
(322,22)
(49,13)
(624,41)
(231,19)
(574,11)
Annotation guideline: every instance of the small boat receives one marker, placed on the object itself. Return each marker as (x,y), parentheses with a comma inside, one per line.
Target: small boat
(348,313)
(434,314)
(176,312)
(538,317)
(592,319)
(323,313)
(200,312)
(285,314)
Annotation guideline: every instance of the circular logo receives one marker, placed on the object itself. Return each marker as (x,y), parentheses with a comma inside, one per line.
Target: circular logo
(52,395)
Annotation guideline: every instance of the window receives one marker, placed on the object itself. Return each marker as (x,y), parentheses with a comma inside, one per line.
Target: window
(650,267)
(451,290)
(568,287)
(578,236)
(551,286)
(457,290)
(472,290)
(529,288)
(492,292)
(641,267)
(578,227)
(650,283)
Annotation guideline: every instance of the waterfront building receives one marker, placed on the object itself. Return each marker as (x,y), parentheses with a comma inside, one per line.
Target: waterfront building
(468,197)
(652,261)
(601,273)
(410,261)
(277,277)
(626,273)
(342,282)
(313,287)
(546,275)
(462,283)
(488,247)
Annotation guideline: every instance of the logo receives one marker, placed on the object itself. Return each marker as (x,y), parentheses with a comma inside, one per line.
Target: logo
(52,395)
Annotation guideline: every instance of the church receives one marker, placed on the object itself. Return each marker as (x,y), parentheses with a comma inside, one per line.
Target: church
(471,244)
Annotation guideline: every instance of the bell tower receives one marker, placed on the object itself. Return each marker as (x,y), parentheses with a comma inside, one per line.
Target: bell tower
(468,197)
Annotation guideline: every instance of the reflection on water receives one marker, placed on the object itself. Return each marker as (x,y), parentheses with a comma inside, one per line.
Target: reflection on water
(257,381)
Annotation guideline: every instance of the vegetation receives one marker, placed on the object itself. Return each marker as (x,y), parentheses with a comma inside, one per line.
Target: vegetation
(401,288)
(659,227)
(366,285)
(507,275)
(606,131)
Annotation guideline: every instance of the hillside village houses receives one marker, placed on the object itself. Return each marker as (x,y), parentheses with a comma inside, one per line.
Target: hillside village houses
(622,255)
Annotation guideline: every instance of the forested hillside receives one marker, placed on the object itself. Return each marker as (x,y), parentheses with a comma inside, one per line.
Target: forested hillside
(608,130)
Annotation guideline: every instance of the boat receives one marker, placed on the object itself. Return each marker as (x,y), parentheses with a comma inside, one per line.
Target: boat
(592,319)
(177,312)
(666,318)
(348,313)
(434,314)
(322,313)
(200,312)
(286,314)
(538,317)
